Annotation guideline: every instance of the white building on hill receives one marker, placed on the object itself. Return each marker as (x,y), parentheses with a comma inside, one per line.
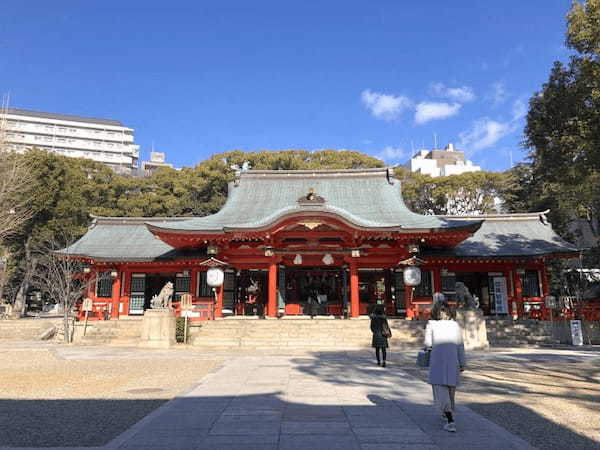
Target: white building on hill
(441,163)
(102,140)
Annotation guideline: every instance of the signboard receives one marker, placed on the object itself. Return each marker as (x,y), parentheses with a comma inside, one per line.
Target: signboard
(500,295)
(87,304)
(186,302)
(576,332)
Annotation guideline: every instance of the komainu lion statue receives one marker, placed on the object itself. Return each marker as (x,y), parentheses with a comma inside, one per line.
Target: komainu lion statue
(164,298)
(464,299)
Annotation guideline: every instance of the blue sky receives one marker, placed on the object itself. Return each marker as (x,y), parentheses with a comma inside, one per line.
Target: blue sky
(198,78)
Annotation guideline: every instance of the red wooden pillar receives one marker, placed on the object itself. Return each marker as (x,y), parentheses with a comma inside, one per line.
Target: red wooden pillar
(411,311)
(518,283)
(219,302)
(126,291)
(545,291)
(354,299)
(272,290)
(116,296)
(545,286)
(437,279)
(194,283)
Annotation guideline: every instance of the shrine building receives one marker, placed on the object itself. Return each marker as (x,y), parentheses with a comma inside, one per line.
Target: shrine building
(322,242)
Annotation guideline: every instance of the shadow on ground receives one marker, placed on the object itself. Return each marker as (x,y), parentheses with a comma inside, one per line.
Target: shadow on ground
(272,407)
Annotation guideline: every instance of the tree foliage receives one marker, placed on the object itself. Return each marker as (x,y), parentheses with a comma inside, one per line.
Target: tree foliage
(563,131)
(468,193)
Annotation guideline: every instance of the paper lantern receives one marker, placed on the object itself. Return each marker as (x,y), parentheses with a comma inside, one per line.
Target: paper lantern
(412,276)
(298,259)
(214,277)
(328,259)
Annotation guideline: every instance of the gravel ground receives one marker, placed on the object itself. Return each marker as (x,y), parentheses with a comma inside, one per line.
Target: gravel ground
(550,398)
(60,396)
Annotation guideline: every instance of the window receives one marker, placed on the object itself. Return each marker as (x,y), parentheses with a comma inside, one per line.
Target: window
(138,293)
(399,290)
(425,288)
(104,285)
(182,286)
(531,284)
(449,286)
(229,285)
(204,289)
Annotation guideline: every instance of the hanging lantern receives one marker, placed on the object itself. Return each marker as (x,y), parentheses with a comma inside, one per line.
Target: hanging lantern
(412,276)
(328,259)
(215,277)
(298,260)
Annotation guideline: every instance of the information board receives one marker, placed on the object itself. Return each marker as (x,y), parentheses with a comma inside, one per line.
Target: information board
(500,295)
(576,332)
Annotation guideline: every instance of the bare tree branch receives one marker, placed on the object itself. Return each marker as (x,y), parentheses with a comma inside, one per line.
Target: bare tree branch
(15,179)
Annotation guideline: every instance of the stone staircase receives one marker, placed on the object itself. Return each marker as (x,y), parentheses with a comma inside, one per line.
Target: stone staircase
(124,331)
(507,333)
(299,333)
(27,329)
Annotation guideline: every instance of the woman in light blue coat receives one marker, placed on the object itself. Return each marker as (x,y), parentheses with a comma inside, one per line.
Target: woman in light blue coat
(447,359)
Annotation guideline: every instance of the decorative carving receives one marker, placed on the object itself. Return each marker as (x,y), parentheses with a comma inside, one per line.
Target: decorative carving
(311,225)
(311,198)
(164,298)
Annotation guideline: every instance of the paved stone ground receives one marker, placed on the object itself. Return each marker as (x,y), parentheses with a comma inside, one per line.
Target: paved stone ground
(550,397)
(326,401)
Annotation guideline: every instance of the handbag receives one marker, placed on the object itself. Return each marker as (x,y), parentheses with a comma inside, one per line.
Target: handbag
(385,331)
(423,357)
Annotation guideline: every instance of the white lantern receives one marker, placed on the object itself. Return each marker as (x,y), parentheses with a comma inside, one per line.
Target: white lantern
(298,259)
(412,276)
(214,277)
(328,259)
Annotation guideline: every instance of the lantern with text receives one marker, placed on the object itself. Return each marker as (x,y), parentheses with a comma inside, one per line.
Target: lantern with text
(412,276)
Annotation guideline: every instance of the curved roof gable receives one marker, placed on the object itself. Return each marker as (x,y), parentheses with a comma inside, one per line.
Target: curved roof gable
(364,198)
(506,235)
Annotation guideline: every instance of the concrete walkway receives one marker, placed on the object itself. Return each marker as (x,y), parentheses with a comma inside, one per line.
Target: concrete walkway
(318,401)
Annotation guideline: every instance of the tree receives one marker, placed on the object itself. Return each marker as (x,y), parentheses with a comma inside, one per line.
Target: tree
(563,131)
(60,277)
(468,193)
(61,194)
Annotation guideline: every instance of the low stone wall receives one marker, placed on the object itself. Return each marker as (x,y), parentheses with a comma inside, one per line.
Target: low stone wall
(27,328)
(507,332)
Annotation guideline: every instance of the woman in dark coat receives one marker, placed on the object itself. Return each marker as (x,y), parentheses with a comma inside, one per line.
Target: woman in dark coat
(381,332)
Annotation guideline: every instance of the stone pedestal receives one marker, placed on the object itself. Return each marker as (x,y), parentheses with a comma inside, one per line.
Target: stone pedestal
(158,328)
(474,329)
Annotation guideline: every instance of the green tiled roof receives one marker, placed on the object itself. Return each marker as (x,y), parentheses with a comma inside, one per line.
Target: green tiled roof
(506,235)
(125,239)
(365,198)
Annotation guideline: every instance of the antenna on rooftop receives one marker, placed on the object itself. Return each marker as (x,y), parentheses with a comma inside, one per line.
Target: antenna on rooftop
(434,141)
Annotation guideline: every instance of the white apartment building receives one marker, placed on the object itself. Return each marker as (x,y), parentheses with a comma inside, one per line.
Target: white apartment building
(441,163)
(102,140)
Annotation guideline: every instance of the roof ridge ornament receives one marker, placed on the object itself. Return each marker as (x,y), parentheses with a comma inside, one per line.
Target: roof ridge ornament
(311,198)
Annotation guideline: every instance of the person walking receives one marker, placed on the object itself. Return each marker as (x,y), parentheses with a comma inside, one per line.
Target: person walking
(444,336)
(381,332)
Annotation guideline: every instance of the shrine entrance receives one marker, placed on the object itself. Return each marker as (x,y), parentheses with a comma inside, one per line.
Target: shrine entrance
(312,291)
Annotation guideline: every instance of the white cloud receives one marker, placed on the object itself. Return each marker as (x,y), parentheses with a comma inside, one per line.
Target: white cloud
(392,154)
(428,111)
(519,109)
(462,94)
(484,133)
(385,106)
(498,94)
